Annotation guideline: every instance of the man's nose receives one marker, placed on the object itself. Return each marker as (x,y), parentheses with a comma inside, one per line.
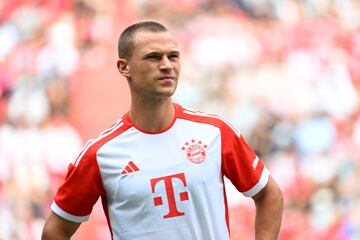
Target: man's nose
(166,64)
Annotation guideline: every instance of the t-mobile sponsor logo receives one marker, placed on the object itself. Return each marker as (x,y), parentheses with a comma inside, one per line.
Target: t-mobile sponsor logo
(170,194)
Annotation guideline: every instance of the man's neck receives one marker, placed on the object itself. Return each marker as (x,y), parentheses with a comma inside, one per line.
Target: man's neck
(152,116)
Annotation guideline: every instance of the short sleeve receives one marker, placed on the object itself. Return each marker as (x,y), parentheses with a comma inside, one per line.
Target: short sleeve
(75,199)
(240,164)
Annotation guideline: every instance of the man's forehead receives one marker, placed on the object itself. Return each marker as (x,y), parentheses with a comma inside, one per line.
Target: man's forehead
(155,41)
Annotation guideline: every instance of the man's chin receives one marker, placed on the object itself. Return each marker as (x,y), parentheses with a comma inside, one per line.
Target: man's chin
(168,92)
(165,95)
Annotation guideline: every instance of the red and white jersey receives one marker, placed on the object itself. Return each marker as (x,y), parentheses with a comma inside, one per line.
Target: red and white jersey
(163,185)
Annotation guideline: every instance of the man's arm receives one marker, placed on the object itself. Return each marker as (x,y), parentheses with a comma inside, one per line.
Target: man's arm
(269,208)
(57,228)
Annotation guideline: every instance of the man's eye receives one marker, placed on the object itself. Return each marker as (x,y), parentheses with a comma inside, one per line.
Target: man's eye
(173,56)
(152,57)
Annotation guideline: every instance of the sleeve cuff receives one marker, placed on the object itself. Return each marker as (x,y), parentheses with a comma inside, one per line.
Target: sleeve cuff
(61,213)
(260,184)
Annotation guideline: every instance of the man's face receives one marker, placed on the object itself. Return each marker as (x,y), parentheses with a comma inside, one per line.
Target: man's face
(154,66)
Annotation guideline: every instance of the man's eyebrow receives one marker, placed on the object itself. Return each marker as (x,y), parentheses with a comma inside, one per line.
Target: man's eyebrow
(155,53)
(151,54)
(175,52)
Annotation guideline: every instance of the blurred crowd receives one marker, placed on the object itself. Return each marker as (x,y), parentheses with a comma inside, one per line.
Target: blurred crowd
(286,72)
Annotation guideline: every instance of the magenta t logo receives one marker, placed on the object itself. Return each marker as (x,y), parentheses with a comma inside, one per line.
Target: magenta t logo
(170,194)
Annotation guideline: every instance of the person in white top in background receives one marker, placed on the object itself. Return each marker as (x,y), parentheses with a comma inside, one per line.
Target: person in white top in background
(159,169)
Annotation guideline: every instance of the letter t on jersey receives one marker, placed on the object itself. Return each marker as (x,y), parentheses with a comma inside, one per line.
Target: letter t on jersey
(170,194)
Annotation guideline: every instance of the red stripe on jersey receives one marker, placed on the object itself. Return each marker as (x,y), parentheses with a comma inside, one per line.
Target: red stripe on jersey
(114,125)
(128,169)
(133,166)
(106,211)
(87,145)
(201,114)
(105,133)
(226,211)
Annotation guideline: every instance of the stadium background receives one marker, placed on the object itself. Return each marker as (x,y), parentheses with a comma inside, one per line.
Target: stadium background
(286,72)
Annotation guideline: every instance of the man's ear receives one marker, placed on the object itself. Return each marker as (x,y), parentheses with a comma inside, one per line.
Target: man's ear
(123,67)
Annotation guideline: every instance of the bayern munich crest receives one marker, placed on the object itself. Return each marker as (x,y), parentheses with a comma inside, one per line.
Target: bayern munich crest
(195,151)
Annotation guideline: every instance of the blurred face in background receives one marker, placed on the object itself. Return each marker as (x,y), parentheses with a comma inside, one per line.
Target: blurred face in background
(153,69)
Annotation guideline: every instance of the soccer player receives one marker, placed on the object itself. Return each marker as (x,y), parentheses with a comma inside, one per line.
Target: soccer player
(159,169)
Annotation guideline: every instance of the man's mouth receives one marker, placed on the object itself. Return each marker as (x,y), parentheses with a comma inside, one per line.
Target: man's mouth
(169,78)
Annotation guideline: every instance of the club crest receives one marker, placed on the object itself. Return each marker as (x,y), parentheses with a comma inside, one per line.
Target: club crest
(195,151)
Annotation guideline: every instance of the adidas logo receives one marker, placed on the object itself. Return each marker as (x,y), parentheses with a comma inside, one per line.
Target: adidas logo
(130,167)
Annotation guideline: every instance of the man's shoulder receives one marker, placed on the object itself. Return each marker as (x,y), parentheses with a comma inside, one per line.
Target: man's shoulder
(114,130)
(192,114)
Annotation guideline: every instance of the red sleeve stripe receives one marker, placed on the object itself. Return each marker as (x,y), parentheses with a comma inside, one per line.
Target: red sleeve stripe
(93,141)
(114,125)
(192,110)
(198,113)
(85,148)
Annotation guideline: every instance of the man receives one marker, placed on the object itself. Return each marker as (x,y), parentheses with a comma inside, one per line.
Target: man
(159,169)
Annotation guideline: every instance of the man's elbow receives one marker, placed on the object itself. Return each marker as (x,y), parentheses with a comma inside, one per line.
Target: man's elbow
(277,196)
(46,234)
(274,197)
